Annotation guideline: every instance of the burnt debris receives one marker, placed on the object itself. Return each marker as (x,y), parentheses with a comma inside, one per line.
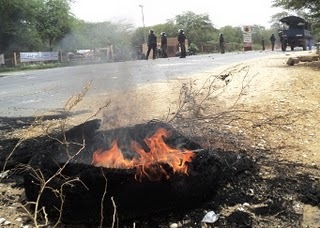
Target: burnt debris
(77,192)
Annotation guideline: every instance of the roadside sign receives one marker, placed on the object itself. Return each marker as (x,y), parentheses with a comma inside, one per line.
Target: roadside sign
(247,37)
(38,56)
(247,28)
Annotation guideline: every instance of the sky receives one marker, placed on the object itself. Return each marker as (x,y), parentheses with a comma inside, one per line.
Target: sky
(221,12)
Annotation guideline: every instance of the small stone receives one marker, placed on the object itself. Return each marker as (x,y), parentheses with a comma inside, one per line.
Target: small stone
(6,223)
(19,219)
(210,217)
(174,225)
(2,220)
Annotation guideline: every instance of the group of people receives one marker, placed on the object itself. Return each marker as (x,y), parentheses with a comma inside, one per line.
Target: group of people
(152,44)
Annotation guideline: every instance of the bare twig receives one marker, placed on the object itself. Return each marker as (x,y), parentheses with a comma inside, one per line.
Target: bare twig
(114,217)
(39,215)
(103,198)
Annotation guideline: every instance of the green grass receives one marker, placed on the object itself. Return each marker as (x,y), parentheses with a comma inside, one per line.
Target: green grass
(42,65)
(33,66)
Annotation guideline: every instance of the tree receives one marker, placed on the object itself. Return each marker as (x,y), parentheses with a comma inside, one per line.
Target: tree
(232,34)
(53,20)
(257,33)
(84,35)
(76,38)
(199,28)
(313,6)
(307,9)
(17,30)
(275,19)
(26,25)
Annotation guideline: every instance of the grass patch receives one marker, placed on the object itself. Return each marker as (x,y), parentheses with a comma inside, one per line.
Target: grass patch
(45,65)
(34,66)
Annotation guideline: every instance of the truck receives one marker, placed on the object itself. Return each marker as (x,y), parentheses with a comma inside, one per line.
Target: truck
(295,32)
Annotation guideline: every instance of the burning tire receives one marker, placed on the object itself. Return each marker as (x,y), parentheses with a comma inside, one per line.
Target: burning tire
(70,187)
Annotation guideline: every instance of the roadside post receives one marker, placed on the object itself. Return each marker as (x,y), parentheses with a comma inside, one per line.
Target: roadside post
(247,38)
(15,63)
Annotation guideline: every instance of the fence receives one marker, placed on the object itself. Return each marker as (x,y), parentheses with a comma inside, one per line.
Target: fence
(24,58)
(15,58)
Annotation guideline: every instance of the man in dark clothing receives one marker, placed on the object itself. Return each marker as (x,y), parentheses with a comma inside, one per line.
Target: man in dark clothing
(163,45)
(182,42)
(263,44)
(221,43)
(152,44)
(273,41)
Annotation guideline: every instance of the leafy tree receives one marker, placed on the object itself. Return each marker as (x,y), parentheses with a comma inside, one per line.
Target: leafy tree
(312,6)
(121,39)
(26,39)
(26,24)
(17,31)
(275,19)
(233,37)
(100,35)
(307,9)
(198,27)
(138,37)
(232,34)
(53,20)
(76,38)
(259,32)
(170,28)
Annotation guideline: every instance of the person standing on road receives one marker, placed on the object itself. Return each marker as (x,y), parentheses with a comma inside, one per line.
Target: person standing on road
(273,41)
(152,44)
(221,43)
(182,43)
(263,44)
(164,45)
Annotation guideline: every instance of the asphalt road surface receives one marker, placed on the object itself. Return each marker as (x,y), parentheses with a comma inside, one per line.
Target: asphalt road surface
(25,93)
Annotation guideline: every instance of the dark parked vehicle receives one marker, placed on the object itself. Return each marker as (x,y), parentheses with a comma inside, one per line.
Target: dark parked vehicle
(295,33)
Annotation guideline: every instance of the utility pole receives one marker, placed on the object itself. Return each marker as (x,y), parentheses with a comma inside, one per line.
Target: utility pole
(144,27)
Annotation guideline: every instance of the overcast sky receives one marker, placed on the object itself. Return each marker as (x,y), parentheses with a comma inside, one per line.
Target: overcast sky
(221,12)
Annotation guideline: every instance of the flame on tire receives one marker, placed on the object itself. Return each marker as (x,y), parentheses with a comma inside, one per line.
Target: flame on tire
(160,162)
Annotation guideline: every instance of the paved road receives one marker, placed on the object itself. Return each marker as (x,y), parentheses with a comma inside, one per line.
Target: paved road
(28,92)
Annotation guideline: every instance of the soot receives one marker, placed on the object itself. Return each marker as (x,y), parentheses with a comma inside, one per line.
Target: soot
(79,192)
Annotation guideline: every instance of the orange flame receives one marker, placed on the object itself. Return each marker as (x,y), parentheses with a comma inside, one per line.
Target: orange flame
(112,158)
(160,162)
